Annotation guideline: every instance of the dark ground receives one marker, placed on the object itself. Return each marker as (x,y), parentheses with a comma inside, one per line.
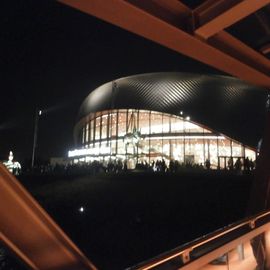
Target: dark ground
(132,217)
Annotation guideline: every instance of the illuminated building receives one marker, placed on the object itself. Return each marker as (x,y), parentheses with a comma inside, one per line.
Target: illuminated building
(170,116)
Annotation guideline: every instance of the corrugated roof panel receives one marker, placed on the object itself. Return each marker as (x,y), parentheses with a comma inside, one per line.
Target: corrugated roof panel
(225,104)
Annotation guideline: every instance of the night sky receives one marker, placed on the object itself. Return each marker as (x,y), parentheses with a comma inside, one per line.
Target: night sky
(52,57)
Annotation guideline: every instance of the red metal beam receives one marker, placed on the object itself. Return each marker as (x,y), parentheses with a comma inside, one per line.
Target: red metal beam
(265,49)
(141,22)
(210,9)
(29,232)
(172,11)
(237,49)
(229,17)
(172,7)
(175,11)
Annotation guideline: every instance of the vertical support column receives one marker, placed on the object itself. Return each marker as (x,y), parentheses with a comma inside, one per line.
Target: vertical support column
(203,148)
(114,90)
(218,165)
(175,141)
(86,133)
(208,149)
(89,127)
(231,147)
(137,145)
(127,121)
(83,135)
(94,131)
(100,132)
(260,193)
(126,133)
(170,141)
(184,140)
(117,122)
(149,142)
(138,120)
(162,135)
(108,128)
(109,132)
(35,138)
(90,131)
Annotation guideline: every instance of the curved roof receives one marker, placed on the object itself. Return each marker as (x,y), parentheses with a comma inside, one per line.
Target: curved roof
(225,104)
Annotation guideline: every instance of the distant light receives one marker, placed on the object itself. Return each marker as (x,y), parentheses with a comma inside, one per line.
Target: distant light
(188,118)
(189,137)
(181,112)
(81,209)
(39,112)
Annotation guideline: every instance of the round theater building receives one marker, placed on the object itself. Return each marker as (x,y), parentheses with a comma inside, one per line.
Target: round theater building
(188,118)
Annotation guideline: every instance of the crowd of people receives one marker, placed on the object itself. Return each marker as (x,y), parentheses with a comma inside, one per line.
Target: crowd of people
(160,165)
(246,165)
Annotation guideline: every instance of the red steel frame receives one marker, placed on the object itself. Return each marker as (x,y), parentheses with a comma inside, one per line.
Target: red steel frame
(199,34)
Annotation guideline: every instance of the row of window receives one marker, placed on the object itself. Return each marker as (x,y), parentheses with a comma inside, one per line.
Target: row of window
(118,123)
(148,135)
(192,150)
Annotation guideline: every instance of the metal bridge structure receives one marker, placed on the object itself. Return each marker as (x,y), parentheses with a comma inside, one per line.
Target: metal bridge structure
(218,33)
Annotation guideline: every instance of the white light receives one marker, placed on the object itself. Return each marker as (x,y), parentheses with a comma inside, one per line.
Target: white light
(181,112)
(89,151)
(81,209)
(187,137)
(39,112)
(188,118)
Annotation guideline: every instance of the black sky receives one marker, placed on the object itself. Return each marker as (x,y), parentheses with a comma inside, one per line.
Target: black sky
(52,57)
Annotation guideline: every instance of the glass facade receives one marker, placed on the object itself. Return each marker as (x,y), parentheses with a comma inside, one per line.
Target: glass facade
(146,136)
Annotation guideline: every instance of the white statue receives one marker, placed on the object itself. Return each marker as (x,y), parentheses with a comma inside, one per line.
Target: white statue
(13,167)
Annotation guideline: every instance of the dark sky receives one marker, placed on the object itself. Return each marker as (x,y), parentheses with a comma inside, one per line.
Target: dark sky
(52,57)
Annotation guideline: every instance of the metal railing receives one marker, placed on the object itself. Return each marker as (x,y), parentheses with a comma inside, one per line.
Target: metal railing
(210,246)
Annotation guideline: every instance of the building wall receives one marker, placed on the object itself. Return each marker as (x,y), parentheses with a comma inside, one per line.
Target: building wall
(141,135)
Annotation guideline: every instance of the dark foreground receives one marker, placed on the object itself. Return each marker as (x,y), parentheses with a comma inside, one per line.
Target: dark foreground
(132,217)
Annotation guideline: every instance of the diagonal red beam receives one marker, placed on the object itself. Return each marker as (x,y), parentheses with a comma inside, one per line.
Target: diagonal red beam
(230,17)
(31,234)
(237,49)
(143,23)
(265,49)
(210,9)
(173,11)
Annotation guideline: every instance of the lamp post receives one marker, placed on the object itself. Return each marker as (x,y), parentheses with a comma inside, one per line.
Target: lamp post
(37,115)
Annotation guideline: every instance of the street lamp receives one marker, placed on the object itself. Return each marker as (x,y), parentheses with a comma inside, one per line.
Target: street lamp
(38,114)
